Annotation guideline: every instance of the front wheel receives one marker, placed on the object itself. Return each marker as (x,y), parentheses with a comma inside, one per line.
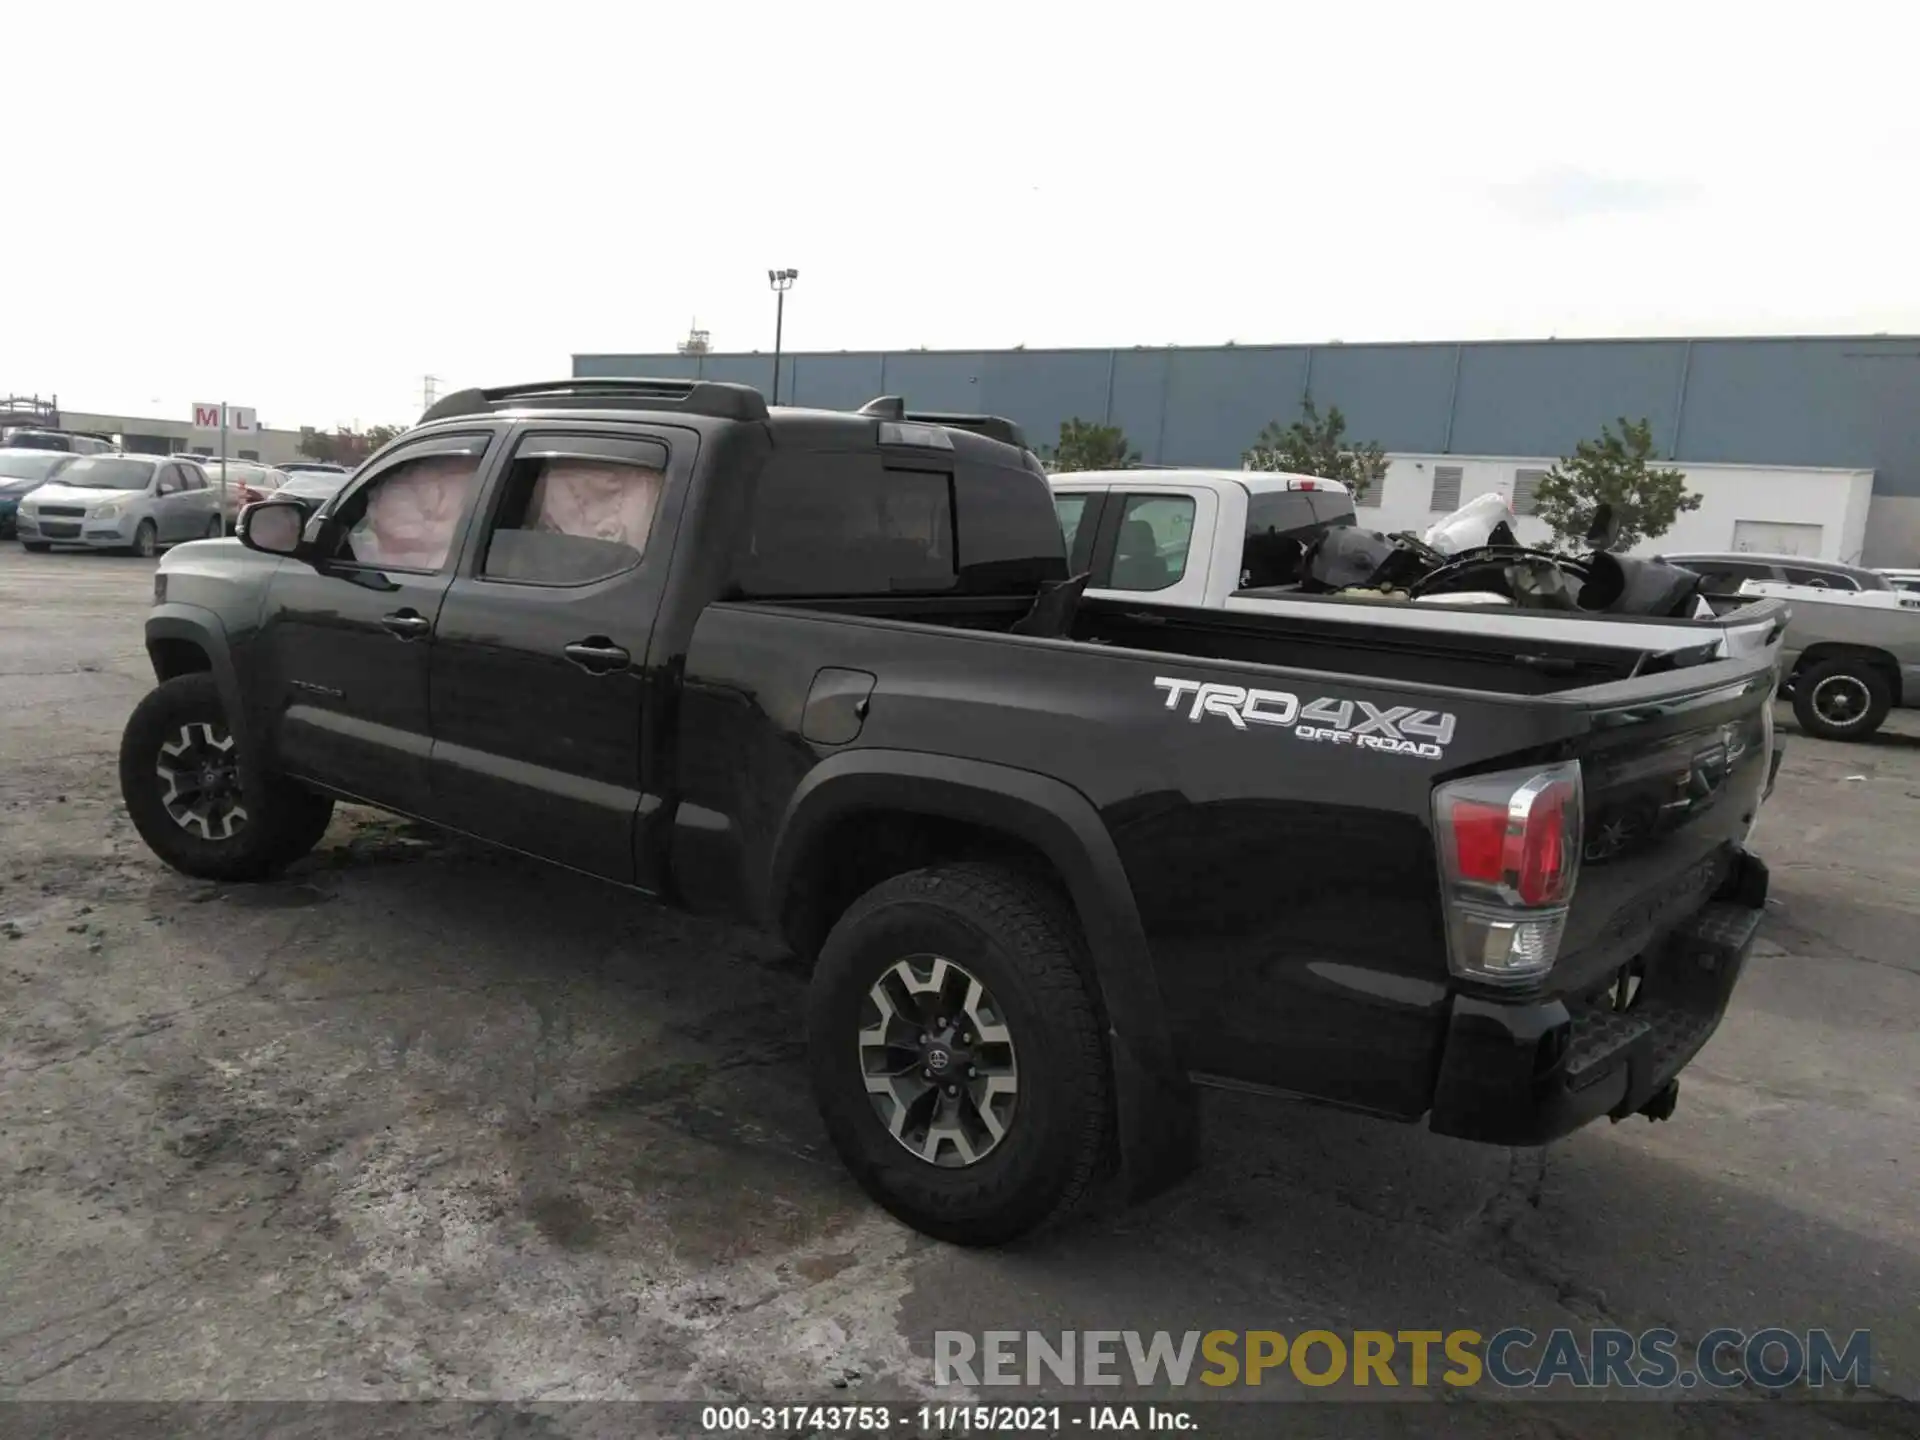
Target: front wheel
(180,777)
(146,540)
(957,1053)
(1841,699)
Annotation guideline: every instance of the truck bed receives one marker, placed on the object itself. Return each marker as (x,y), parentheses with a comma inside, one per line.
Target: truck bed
(1289,890)
(1533,654)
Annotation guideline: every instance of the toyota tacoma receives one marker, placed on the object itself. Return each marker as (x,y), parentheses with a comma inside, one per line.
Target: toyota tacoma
(1052,860)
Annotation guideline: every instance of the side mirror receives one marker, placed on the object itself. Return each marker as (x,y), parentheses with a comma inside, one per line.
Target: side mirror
(272,527)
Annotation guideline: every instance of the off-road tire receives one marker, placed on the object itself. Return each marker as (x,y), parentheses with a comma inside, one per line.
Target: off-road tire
(1022,941)
(1812,704)
(284,819)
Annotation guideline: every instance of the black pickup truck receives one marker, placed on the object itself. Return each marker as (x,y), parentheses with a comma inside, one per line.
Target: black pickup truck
(1052,860)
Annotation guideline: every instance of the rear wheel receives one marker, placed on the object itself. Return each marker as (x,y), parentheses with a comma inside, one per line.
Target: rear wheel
(215,528)
(180,777)
(146,540)
(1841,699)
(957,1054)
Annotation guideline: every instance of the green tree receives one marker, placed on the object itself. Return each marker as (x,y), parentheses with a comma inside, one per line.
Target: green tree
(1616,469)
(1317,444)
(1087,446)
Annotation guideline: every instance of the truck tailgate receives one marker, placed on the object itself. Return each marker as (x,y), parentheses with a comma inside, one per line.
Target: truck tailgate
(1672,785)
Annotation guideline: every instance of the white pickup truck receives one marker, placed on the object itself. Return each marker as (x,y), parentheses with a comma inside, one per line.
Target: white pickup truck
(1207,537)
(1848,656)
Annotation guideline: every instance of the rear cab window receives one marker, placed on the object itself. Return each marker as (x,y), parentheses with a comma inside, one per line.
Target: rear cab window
(1724,577)
(1821,579)
(848,524)
(1281,524)
(877,523)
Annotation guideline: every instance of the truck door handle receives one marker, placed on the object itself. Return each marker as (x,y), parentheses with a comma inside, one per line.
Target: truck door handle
(407,624)
(597,654)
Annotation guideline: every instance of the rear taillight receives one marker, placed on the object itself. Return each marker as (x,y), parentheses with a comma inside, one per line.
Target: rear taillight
(1509,855)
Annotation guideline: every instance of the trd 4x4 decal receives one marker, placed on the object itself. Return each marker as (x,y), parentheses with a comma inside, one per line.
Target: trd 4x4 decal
(1396,730)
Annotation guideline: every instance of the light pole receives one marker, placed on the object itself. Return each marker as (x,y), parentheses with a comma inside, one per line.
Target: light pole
(781,281)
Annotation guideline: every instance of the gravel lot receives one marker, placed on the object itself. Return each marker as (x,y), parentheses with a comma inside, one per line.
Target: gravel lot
(422,1120)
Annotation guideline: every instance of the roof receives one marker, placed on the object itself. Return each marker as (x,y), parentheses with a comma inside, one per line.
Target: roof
(1254,481)
(619,399)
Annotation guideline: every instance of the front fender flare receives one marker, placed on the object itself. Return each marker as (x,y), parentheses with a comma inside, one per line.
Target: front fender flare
(1154,1104)
(201,627)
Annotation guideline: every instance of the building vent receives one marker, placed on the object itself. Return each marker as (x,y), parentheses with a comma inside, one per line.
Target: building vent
(1525,483)
(1446,489)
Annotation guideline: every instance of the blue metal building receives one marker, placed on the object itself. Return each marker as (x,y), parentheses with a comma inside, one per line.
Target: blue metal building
(1842,401)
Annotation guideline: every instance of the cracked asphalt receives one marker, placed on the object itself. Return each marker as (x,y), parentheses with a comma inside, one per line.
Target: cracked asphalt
(423,1120)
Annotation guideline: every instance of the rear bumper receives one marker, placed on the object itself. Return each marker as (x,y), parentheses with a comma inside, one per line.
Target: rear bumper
(1524,1073)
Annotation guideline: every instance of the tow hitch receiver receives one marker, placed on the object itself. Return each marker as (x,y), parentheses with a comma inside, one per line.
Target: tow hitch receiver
(1660,1107)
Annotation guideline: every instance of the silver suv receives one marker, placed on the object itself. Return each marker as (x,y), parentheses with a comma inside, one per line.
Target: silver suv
(121,502)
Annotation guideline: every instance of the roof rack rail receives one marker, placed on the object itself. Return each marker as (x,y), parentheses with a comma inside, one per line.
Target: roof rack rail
(994,427)
(721,399)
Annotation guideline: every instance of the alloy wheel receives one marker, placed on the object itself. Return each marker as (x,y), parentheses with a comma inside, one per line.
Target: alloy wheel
(938,1061)
(1841,700)
(200,769)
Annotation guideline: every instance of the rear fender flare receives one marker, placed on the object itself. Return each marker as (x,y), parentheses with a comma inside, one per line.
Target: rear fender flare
(1153,1099)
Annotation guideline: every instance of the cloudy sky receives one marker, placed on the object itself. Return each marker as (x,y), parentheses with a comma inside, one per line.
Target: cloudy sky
(306,207)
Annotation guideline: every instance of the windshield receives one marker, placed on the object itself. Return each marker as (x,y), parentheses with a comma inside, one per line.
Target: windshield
(107,472)
(29,464)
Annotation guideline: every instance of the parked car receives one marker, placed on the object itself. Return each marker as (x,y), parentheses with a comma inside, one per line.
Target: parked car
(313,488)
(1848,657)
(1726,571)
(239,483)
(21,471)
(120,502)
(1051,861)
(1235,540)
(1908,580)
(71,441)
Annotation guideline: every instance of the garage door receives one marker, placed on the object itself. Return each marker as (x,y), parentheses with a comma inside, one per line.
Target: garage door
(1777,537)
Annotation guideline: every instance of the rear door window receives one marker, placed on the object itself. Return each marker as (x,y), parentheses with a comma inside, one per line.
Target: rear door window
(1150,548)
(575,509)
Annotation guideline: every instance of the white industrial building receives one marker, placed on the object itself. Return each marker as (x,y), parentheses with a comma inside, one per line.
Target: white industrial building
(1818,513)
